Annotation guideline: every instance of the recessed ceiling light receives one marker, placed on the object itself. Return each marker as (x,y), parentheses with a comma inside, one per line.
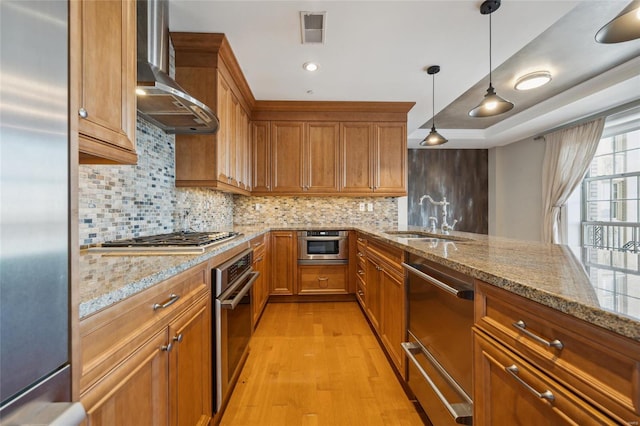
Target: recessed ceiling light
(533,80)
(310,66)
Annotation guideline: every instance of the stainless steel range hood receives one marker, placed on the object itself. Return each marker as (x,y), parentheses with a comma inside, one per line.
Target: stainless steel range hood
(160,99)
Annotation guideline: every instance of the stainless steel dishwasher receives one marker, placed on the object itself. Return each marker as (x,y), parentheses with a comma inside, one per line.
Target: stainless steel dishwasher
(440,305)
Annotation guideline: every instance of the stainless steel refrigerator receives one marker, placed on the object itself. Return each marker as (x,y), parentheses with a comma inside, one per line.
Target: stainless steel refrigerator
(35,384)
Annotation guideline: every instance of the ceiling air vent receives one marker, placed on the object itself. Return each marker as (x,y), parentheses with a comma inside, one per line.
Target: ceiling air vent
(313,27)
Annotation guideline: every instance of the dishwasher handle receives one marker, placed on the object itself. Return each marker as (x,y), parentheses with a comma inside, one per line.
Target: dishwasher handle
(461,293)
(461,412)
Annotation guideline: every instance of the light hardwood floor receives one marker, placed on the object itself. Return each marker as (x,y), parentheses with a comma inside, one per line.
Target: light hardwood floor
(317,364)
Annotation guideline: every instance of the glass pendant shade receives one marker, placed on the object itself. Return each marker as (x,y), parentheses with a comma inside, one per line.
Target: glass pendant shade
(433,138)
(492,104)
(624,27)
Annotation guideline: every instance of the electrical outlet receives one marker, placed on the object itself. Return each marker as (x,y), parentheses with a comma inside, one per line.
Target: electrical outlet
(258,206)
(361,207)
(369,207)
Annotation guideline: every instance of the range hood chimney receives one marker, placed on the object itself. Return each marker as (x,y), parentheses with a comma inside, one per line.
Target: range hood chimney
(160,99)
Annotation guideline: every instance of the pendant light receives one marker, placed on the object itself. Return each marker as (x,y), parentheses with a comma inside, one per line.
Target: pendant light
(624,27)
(492,104)
(433,138)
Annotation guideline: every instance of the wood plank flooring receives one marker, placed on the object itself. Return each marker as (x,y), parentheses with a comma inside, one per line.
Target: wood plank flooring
(314,364)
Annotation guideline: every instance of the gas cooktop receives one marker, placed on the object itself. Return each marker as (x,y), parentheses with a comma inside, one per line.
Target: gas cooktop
(172,243)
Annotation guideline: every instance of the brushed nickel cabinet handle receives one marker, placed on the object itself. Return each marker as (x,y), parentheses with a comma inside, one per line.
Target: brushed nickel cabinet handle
(83,113)
(173,298)
(360,272)
(178,338)
(513,370)
(360,254)
(167,348)
(520,325)
(360,293)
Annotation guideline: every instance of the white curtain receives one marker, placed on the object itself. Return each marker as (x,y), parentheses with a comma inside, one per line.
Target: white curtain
(567,157)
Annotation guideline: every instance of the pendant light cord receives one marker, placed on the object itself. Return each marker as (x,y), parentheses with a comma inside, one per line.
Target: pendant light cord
(490,67)
(433,101)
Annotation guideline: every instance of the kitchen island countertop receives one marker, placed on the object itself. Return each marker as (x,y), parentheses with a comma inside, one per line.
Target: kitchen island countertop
(545,273)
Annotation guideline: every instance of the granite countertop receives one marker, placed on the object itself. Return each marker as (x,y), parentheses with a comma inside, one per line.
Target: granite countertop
(545,273)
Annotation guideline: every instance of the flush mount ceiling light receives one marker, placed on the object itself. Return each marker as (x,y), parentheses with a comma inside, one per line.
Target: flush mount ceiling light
(624,27)
(433,138)
(310,66)
(533,80)
(492,104)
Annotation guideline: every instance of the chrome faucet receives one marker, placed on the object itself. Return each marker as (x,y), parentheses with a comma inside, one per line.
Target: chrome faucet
(444,226)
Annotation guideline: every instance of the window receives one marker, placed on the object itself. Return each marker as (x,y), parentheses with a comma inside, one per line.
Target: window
(610,225)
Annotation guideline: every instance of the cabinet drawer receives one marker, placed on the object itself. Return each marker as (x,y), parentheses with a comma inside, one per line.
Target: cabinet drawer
(111,335)
(392,256)
(602,366)
(512,391)
(258,245)
(313,279)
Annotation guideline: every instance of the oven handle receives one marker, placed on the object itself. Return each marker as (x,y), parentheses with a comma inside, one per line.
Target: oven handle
(461,412)
(466,294)
(232,303)
(322,238)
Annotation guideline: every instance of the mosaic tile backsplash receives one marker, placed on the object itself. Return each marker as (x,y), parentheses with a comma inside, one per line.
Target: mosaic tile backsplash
(128,201)
(315,210)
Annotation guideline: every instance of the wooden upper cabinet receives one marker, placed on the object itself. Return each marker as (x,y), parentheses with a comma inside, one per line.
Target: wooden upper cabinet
(224,131)
(103,80)
(287,156)
(208,70)
(322,157)
(356,147)
(261,156)
(391,158)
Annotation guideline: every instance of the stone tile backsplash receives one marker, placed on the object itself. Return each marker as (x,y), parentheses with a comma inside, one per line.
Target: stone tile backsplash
(128,201)
(277,210)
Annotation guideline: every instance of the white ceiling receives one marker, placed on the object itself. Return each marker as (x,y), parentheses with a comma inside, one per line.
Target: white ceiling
(379,51)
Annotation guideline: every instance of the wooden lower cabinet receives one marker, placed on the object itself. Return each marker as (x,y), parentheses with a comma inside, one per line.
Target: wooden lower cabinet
(136,392)
(323,279)
(147,359)
(260,289)
(283,262)
(381,292)
(510,391)
(190,366)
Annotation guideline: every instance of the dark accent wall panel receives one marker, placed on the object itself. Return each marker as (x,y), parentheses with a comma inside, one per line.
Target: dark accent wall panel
(461,175)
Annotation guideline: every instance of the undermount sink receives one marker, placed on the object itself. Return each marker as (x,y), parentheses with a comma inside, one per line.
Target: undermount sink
(419,235)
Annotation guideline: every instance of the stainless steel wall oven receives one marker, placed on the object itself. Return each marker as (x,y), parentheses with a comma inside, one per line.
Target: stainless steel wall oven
(439,350)
(231,322)
(322,246)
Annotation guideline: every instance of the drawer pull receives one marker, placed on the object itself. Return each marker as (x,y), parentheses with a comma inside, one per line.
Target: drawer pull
(360,272)
(520,325)
(360,254)
(360,293)
(323,282)
(173,298)
(513,370)
(167,348)
(178,338)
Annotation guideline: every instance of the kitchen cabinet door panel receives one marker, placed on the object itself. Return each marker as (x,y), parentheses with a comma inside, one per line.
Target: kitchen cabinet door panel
(135,393)
(103,79)
(391,157)
(283,262)
(322,157)
(357,152)
(190,366)
(261,156)
(287,156)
